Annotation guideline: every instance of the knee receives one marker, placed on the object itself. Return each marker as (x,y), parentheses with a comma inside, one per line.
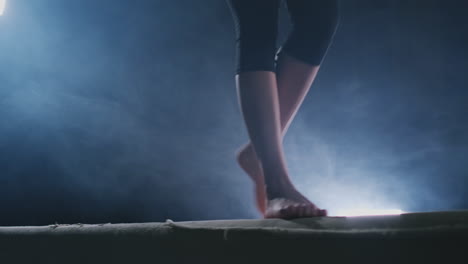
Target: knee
(256,47)
(255,52)
(256,34)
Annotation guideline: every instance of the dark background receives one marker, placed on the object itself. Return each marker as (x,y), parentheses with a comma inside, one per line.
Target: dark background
(126,111)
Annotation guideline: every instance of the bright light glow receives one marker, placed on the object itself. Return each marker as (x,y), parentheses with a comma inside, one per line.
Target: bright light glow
(2,6)
(362,212)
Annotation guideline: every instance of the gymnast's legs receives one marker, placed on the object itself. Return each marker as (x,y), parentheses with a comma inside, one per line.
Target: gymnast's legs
(270,92)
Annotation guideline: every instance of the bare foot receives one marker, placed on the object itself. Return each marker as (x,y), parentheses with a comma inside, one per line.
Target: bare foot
(287,204)
(249,163)
(292,204)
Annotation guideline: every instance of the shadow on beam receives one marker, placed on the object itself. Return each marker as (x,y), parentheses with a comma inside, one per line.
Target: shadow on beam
(430,237)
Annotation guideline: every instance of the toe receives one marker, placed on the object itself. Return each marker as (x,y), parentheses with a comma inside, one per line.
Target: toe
(321,212)
(286,212)
(309,211)
(299,210)
(306,210)
(315,211)
(302,210)
(283,213)
(294,211)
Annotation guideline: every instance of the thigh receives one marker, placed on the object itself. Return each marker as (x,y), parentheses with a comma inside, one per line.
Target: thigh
(309,14)
(255,17)
(314,25)
(256,24)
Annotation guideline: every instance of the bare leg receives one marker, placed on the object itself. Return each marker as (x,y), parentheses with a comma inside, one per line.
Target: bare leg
(258,98)
(294,79)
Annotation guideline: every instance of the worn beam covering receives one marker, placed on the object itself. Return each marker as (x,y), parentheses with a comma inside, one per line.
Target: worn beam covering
(423,237)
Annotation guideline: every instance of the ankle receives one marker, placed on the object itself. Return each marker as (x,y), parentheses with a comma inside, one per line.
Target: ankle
(278,188)
(275,192)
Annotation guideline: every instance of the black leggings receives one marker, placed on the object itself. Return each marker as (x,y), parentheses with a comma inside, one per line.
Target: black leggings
(314,23)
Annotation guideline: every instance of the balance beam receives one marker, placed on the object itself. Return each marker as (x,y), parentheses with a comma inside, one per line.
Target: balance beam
(423,237)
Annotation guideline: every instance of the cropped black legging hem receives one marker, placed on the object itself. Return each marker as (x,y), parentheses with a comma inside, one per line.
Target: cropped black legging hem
(314,23)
